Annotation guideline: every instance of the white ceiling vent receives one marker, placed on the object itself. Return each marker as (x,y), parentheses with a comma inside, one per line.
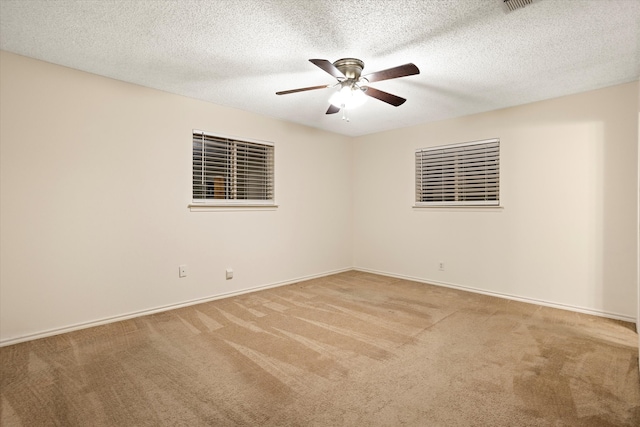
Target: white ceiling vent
(516,4)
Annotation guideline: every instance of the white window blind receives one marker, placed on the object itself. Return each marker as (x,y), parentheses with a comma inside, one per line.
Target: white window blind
(231,171)
(465,174)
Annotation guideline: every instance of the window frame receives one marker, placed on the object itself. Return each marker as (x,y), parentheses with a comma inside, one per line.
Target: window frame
(229,202)
(456,203)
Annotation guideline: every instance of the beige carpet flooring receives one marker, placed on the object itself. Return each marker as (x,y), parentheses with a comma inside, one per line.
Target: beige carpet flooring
(352,349)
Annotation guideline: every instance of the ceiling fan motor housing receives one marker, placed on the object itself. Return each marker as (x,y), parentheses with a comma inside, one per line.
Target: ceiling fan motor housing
(350,67)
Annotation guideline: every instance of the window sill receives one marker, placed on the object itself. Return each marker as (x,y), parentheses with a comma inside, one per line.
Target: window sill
(479,208)
(201,207)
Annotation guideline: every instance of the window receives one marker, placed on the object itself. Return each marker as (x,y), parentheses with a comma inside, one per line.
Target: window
(465,174)
(227,171)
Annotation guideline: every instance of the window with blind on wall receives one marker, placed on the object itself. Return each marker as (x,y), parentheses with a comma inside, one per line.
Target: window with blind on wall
(466,174)
(229,171)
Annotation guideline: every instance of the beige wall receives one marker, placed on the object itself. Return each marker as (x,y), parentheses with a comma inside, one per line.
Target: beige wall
(95,183)
(569,195)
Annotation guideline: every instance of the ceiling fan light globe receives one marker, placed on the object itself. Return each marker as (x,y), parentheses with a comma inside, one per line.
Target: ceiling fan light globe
(357,98)
(348,97)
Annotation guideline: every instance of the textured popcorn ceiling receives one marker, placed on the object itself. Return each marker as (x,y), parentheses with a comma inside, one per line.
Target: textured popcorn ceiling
(473,55)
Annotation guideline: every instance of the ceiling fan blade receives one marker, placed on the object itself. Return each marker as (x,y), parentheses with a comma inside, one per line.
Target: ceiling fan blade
(328,67)
(393,73)
(332,109)
(302,89)
(396,101)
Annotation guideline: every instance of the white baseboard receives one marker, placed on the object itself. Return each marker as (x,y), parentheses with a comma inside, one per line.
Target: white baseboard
(567,307)
(106,320)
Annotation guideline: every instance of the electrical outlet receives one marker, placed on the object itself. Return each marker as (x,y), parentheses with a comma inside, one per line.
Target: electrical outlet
(441,266)
(182,271)
(229,273)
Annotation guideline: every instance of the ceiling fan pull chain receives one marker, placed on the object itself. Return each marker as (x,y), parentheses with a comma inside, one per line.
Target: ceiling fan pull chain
(345,116)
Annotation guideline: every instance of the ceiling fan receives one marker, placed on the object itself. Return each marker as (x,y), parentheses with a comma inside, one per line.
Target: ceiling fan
(353,86)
